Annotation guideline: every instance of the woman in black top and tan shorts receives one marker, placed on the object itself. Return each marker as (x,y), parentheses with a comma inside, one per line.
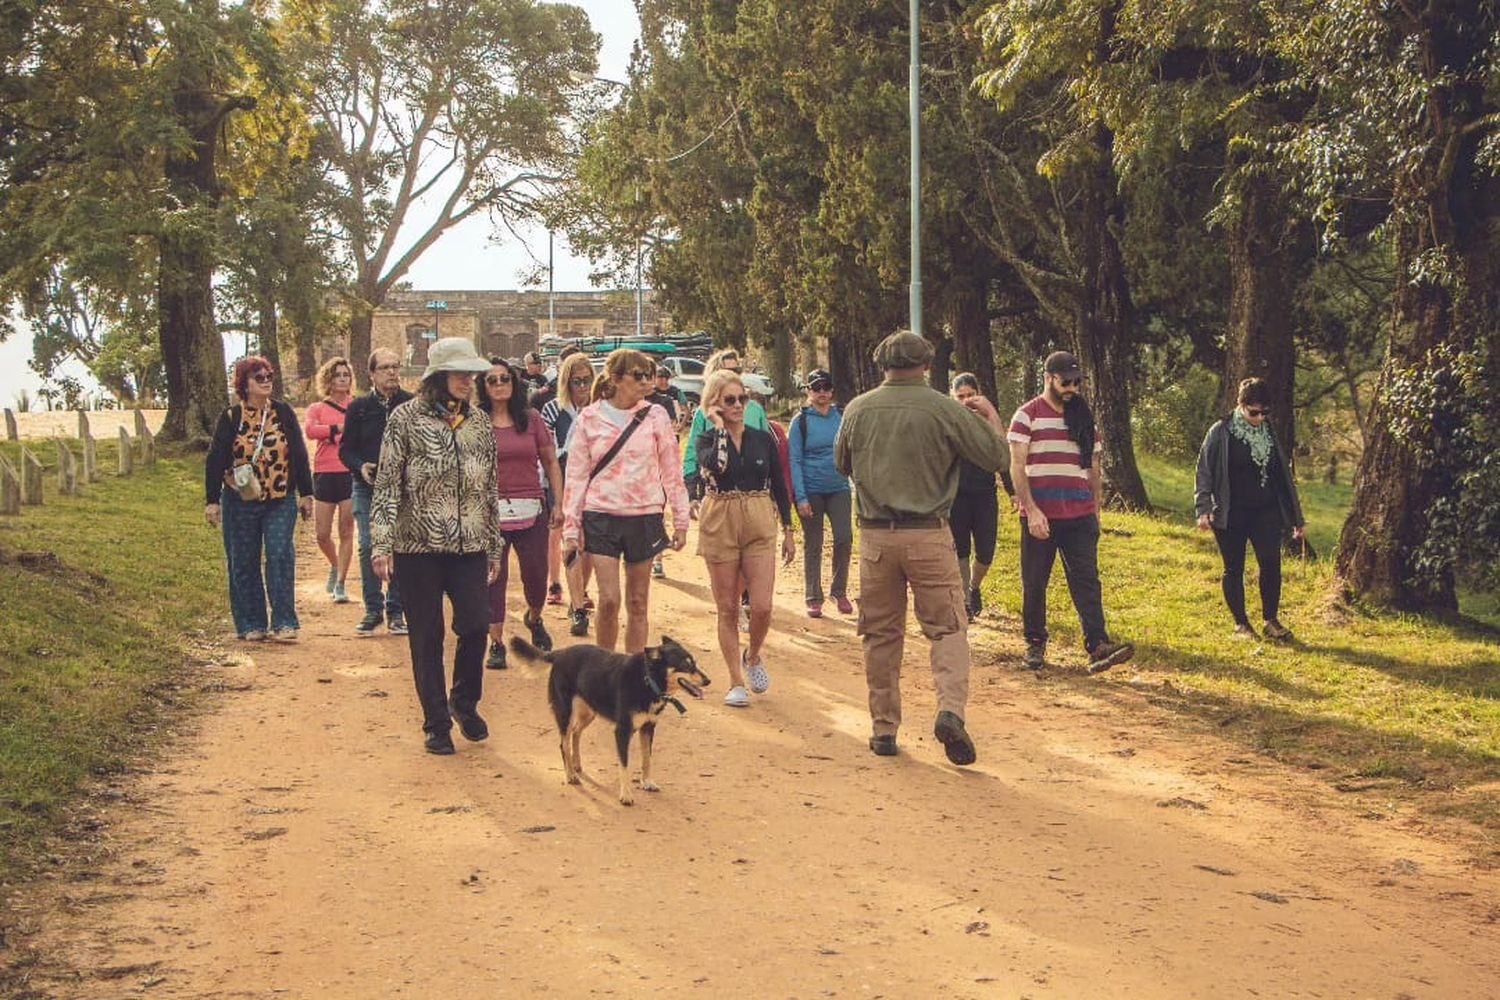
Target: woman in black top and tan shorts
(745,496)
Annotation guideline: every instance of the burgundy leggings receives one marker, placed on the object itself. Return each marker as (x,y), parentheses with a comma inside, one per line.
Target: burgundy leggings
(530,546)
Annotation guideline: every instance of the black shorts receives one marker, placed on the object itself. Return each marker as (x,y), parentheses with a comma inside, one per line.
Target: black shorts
(637,537)
(333,487)
(976,516)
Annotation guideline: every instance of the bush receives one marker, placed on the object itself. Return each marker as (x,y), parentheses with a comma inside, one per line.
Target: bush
(1172,414)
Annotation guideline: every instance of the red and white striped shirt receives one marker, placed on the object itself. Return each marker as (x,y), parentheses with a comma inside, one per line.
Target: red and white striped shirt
(1059,483)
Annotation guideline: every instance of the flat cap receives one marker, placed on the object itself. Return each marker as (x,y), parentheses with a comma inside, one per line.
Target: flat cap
(902,349)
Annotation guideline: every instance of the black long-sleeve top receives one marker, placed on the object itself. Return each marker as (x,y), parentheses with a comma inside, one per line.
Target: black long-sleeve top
(364,428)
(220,457)
(752,467)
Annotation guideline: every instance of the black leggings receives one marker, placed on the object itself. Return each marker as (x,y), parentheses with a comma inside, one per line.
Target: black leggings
(975,515)
(1261,527)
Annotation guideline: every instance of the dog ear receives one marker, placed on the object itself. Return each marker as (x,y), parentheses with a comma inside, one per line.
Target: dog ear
(667,640)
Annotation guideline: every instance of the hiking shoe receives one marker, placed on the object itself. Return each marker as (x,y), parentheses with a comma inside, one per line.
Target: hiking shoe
(657,569)
(845,608)
(340,595)
(974,603)
(756,673)
(254,635)
(284,634)
(1244,631)
(333,578)
(883,745)
(579,624)
(398,624)
(950,732)
(815,609)
(737,697)
(470,723)
(367,626)
(439,743)
(1036,656)
(1108,654)
(554,594)
(539,637)
(496,659)
(1275,630)
(588,602)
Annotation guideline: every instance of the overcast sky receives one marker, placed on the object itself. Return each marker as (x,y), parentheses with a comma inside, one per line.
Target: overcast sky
(465,257)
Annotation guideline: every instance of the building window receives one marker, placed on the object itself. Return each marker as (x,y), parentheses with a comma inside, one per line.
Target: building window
(418,338)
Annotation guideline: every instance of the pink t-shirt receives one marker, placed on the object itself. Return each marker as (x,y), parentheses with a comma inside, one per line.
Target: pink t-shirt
(518,455)
(325,425)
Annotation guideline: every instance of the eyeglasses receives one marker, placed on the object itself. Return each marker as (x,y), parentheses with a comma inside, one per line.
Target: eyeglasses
(1263,411)
(497,380)
(262,377)
(579,383)
(639,375)
(387,368)
(733,400)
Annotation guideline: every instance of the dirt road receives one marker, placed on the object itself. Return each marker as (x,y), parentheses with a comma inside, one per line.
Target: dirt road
(299,843)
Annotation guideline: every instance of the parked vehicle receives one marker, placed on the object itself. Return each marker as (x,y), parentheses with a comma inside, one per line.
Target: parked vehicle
(687,376)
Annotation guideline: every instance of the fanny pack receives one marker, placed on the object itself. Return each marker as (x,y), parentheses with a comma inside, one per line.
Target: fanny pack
(520,513)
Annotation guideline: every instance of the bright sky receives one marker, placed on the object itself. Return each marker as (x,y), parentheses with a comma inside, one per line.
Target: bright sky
(465,257)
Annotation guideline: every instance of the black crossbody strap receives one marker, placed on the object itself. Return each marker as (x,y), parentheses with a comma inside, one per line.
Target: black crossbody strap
(614,449)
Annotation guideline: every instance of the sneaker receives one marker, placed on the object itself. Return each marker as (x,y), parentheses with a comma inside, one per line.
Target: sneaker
(815,609)
(975,603)
(284,634)
(367,626)
(883,745)
(1109,654)
(340,595)
(439,743)
(1036,656)
(579,624)
(845,608)
(1277,631)
(737,697)
(658,570)
(1244,631)
(539,637)
(756,673)
(398,624)
(254,635)
(470,723)
(496,659)
(950,732)
(333,578)
(554,594)
(588,602)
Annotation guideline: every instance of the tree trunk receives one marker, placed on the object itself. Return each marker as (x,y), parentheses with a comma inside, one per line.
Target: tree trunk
(1104,327)
(968,320)
(783,353)
(361,321)
(266,335)
(942,363)
(851,365)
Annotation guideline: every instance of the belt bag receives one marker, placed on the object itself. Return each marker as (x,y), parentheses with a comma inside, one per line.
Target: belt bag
(519,513)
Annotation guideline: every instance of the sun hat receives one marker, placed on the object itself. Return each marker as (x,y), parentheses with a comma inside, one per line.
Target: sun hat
(454,354)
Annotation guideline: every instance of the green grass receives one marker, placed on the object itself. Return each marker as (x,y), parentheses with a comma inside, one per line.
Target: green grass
(99,596)
(1406,698)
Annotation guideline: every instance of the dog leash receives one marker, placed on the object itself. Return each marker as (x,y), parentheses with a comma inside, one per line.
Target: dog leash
(662,695)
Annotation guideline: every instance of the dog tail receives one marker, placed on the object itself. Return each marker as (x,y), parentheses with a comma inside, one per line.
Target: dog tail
(527,651)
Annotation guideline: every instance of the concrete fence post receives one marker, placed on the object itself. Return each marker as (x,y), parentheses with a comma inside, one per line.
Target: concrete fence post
(31,479)
(67,470)
(12,432)
(10,488)
(127,457)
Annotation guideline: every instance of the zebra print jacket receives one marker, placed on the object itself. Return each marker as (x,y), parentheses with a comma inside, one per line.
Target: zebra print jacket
(435,488)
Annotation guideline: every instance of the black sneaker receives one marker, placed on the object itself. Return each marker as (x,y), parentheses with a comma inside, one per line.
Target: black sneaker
(975,603)
(580,622)
(1036,656)
(1276,631)
(439,743)
(398,624)
(884,745)
(1109,654)
(471,724)
(539,637)
(950,731)
(496,659)
(367,626)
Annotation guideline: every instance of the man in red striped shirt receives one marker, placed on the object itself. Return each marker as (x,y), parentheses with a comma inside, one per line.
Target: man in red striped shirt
(1054,461)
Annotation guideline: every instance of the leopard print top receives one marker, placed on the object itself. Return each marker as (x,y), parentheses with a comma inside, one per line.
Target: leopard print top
(274,467)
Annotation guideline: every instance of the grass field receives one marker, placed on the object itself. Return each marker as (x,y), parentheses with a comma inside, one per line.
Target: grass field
(99,597)
(1357,696)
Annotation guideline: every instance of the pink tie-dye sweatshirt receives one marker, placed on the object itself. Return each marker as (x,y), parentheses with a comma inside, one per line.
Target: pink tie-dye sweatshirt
(644,478)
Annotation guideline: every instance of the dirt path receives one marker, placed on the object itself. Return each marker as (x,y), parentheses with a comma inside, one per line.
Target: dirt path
(299,843)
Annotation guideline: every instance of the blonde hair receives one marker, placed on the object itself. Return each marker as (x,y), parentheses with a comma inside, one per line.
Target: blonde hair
(716,359)
(565,372)
(715,384)
(324,379)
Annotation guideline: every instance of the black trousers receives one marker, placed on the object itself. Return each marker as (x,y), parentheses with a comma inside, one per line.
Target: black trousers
(1261,527)
(1078,541)
(975,516)
(425,578)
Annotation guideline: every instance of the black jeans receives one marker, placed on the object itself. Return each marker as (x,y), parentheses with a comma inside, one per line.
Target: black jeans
(425,578)
(1078,540)
(1261,527)
(839,508)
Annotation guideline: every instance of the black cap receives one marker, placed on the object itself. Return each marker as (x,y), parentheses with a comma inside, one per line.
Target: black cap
(819,376)
(1064,364)
(663,370)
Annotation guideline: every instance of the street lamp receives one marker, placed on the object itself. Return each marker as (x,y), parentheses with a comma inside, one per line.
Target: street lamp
(914,86)
(639,321)
(437,306)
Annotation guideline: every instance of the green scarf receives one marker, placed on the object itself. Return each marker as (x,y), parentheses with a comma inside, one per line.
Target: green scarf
(1258,439)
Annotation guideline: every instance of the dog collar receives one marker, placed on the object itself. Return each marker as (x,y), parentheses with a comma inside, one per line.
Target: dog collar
(662,696)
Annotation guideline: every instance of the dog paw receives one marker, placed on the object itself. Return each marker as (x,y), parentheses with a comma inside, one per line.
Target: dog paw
(650,786)
(574,779)
(627,800)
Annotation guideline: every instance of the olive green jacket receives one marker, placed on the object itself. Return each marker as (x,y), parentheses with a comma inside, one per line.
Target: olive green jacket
(901,442)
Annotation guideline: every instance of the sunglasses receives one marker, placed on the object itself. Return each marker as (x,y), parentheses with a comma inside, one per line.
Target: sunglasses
(579,382)
(1263,411)
(641,376)
(1070,383)
(729,399)
(821,387)
(262,377)
(497,380)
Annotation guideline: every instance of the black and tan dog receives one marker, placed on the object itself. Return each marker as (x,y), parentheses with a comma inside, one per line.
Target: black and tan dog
(630,690)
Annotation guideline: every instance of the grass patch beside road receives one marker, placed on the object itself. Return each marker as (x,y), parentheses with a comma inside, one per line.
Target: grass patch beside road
(99,596)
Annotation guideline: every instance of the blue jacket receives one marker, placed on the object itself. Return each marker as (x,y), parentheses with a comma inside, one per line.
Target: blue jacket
(811,440)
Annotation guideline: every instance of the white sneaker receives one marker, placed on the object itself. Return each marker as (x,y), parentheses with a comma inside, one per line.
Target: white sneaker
(756,673)
(737,697)
(340,595)
(333,578)
(254,635)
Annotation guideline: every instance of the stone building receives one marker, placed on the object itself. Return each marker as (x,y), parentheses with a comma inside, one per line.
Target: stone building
(505,323)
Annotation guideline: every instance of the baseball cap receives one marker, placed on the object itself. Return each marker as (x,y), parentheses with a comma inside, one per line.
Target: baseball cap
(1064,364)
(903,349)
(819,378)
(663,370)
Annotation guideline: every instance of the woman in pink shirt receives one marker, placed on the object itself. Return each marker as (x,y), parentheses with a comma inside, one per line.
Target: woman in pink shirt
(615,496)
(523,449)
(333,485)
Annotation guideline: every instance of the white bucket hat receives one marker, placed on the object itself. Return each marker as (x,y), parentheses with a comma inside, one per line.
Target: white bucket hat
(454,354)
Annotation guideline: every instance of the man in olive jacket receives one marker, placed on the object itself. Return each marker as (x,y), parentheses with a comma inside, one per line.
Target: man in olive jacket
(901,443)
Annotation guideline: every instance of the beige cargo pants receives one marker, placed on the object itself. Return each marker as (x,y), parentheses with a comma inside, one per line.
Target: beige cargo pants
(922,559)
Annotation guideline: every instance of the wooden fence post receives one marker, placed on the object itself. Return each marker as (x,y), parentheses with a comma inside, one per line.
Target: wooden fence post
(31,478)
(127,457)
(67,470)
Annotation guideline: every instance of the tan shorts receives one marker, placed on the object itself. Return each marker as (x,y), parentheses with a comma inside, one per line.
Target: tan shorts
(731,525)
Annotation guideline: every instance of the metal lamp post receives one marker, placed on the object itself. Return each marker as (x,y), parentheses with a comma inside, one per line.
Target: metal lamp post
(914,86)
(437,306)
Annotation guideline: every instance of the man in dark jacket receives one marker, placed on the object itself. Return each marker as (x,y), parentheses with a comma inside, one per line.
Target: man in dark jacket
(364,427)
